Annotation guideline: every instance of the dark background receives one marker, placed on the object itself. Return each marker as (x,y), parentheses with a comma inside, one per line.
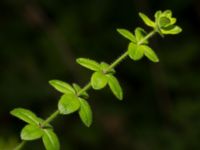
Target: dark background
(40,40)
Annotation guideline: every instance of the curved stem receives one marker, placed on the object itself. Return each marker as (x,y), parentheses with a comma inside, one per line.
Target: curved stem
(88,86)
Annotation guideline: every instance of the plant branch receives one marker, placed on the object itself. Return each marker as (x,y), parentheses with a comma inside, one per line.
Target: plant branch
(111,66)
(88,86)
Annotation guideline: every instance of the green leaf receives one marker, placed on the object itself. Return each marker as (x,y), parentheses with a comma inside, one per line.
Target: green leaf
(98,80)
(127,34)
(149,53)
(157,14)
(115,86)
(68,104)
(31,132)
(78,88)
(174,30)
(26,115)
(172,21)
(135,52)
(146,20)
(167,13)
(140,34)
(104,66)
(50,140)
(85,112)
(62,87)
(88,63)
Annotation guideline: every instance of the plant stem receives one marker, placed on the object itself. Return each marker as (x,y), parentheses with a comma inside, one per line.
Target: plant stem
(85,88)
(147,37)
(117,61)
(88,85)
(20,145)
(50,118)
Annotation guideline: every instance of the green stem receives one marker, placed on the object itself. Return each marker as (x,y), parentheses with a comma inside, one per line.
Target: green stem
(88,86)
(147,37)
(20,145)
(117,61)
(50,118)
(85,88)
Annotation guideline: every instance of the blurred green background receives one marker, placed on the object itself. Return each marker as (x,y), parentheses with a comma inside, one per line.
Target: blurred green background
(40,40)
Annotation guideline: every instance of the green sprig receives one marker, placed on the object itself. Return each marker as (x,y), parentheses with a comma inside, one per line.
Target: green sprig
(74,98)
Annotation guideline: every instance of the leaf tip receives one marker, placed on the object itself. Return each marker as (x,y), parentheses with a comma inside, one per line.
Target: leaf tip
(51,82)
(180,29)
(88,124)
(140,14)
(78,60)
(119,30)
(12,111)
(120,97)
(156,60)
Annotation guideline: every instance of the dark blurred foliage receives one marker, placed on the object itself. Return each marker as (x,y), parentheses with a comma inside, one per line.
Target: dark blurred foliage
(40,40)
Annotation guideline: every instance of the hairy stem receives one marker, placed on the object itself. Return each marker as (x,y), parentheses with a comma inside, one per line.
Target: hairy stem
(88,85)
